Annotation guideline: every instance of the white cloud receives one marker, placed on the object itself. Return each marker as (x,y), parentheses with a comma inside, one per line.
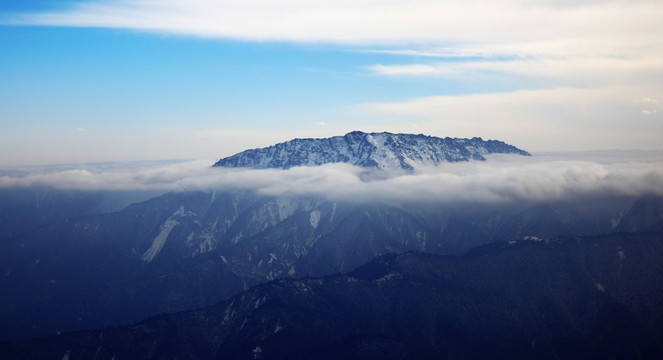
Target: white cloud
(501,178)
(549,119)
(414,69)
(570,40)
(592,55)
(370,21)
(581,70)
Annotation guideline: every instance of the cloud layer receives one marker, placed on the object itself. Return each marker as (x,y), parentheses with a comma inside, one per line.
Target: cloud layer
(359,21)
(542,36)
(558,118)
(501,178)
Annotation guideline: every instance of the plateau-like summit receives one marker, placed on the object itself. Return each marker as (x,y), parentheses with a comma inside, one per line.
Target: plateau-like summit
(374,150)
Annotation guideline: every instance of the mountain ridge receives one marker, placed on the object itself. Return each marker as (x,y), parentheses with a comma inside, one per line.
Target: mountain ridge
(381,150)
(571,297)
(186,250)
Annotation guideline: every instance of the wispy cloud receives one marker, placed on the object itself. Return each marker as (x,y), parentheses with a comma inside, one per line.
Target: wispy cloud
(579,70)
(597,41)
(415,69)
(559,118)
(591,57)
(501,178)
(362,21)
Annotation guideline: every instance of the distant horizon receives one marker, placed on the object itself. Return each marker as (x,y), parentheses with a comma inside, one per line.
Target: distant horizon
(213,159)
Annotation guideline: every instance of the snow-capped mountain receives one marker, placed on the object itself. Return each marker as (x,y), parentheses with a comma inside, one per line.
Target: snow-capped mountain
(376,150)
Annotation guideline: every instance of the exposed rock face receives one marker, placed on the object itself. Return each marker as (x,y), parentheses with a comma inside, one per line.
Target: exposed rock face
(375,150)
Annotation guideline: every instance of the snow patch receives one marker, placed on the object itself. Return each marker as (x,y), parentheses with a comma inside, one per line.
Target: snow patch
(385,158)
(228,313)
(299,252)
(273,275)
(331,218)
(259,302)
(314,218)
(422,240)
(207,242)
(532,238)
(237,237)
(256,352)
(285,208)
(302,288)
(388,277)
(160,240)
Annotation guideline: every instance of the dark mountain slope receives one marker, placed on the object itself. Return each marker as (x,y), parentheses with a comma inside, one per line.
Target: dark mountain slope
(24,209)
(187,250)
(591,298)
(645,214)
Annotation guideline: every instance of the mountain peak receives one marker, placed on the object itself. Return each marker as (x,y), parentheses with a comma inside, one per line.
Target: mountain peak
(381,150)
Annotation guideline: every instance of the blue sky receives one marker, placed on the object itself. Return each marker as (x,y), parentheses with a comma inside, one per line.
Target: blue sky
(114,80)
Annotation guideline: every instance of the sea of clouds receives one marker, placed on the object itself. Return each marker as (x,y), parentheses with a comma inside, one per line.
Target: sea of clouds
(542,177)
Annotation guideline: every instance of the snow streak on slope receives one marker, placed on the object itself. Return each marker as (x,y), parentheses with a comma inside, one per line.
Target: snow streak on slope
(374,150)
(160,240)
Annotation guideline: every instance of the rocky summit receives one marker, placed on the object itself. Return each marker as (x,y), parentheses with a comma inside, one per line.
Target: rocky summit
(373,150)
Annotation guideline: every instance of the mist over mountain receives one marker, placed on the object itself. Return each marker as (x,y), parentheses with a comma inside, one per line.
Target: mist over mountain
(74,256)
(373,150)
(256,180)
(25,208)
(502,178)
(185,250)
